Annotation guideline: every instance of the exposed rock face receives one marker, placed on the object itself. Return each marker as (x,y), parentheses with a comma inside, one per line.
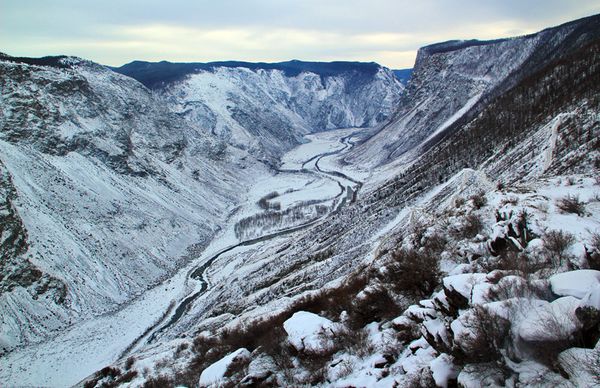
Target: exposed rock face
(266,108)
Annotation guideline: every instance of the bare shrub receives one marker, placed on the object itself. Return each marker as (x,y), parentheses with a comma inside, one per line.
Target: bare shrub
(547,351)
(373,304)
(266,333)
(109,374)
(459,201)
(353,341)
(571,204)
(345,368)
(127,377)
(264,203)
(333,301)
(488,336)
(470,227)
(556,244)
(315,362)
(129,362)
(413,272)
(181,348)
(435,243)
(518,263)
(479,200)
(160,381)
(237,370)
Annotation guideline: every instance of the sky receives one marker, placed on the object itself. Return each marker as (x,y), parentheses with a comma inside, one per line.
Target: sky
(389,32)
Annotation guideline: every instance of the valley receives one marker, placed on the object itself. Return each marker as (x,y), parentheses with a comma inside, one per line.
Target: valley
(106,339)
(304,223)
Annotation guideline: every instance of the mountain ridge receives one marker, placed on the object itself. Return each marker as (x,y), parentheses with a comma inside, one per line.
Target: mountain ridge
(156,74)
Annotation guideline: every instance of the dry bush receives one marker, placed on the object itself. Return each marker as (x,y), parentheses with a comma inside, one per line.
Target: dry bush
(459,201)
(315,362)
(181,348)
(374,304)
(266,333)
(556,244)
(237,370)
(505,289)
(126,377)
(517,263)
(422,378)
(479,200)
(332,302)
(353,342)
(264,203)
(160,381)
(471,226)
(435,243)
(112,378)
(571,204)
(413,272)
(489,336)
(129,362)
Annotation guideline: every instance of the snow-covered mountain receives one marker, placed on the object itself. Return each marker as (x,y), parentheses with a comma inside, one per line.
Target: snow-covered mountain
(105,192)
(452,81)
(443,232)
(400,287)
(109,187)
(267,108)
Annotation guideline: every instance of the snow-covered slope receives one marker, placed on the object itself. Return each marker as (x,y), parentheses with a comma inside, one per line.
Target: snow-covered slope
(453,81)
(105,191)
(266,108)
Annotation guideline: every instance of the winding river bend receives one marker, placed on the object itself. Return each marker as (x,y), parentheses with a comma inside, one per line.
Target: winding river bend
(198,274)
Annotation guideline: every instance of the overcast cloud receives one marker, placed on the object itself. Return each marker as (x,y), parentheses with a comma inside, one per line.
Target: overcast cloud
(385,31)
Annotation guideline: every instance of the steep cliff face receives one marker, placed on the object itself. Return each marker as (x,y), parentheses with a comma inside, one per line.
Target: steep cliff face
(266,108)
(104,192)
(453,81)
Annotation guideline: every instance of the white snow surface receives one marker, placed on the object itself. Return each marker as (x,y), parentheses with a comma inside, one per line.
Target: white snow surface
(553,321)
(464,283)
(592,298)
(443,369)
(215,373)
(305,329)
(575,283)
